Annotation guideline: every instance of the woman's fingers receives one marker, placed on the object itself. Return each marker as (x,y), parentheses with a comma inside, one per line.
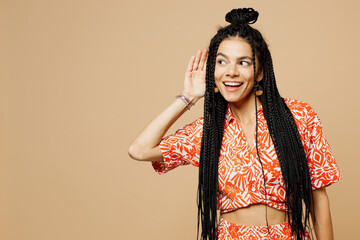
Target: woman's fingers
(204,54)
(190,65)
(194,83)
(196,63)
(204,68)
(197,60)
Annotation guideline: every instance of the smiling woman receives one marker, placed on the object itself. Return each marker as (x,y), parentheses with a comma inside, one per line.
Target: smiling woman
(261,157)
(234,71)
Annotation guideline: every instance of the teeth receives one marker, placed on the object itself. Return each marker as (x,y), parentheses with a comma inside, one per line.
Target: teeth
(233,84)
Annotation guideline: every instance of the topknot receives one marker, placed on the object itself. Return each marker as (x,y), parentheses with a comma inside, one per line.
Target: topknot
(242,16)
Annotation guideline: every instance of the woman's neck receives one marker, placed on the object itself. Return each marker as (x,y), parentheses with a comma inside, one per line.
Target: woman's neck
(244,111)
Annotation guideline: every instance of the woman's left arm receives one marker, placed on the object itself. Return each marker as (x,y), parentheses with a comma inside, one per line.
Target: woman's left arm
(322,224)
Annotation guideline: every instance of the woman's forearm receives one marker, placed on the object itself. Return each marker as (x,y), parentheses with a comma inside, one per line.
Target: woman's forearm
(322,224)
(143,147)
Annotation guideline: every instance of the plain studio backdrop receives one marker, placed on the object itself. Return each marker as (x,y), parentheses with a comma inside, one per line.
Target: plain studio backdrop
(81,78)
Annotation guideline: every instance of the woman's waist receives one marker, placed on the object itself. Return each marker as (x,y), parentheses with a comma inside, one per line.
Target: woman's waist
(229,203)
(256,215)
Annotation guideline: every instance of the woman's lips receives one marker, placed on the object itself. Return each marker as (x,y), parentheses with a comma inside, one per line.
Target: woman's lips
(232,86)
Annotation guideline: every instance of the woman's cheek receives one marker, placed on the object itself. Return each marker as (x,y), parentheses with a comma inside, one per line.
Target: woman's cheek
(216,79)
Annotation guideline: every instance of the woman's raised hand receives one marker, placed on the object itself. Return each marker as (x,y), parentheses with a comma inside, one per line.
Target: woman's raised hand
(194,83)
(146,145)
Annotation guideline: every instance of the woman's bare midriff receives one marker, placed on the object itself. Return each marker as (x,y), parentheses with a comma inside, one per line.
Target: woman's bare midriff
(254,215)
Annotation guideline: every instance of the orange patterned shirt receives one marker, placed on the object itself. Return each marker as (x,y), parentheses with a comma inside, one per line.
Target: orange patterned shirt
(240,177)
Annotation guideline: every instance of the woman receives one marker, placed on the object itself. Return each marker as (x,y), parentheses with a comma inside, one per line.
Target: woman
(263,160)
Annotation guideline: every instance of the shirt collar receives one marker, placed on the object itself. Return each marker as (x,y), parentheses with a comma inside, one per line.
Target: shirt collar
(230,117)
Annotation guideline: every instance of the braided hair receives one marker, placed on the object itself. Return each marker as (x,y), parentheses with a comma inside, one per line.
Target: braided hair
(281,124)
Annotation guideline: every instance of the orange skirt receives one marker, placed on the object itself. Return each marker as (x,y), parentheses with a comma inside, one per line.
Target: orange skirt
(229,231)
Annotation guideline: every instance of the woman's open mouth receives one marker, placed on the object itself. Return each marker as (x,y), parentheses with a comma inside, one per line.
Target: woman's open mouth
(232,86)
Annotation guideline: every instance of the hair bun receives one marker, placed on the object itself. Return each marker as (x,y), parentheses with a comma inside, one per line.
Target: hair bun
(242,15)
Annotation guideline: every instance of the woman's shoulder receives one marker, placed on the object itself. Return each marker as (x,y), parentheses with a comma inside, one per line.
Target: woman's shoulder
(298,106)
(302,111)
(193,126)
(197,123)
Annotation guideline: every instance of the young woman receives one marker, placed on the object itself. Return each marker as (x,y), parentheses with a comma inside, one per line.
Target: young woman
(263,160)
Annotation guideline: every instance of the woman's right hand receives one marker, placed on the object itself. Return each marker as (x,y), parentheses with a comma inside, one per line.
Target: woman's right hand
(194,82)
(145,147)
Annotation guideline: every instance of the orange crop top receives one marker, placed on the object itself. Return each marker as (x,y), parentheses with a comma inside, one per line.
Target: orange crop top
(240,177)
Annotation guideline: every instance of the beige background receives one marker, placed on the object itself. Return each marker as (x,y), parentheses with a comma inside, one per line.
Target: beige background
(80,78)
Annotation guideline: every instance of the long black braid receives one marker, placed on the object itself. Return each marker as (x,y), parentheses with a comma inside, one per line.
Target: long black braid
(281,124)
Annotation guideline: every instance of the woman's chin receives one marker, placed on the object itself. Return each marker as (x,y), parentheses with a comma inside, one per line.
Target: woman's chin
(231,99)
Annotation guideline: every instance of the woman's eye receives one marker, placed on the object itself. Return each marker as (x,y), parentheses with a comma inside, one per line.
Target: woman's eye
(221,62)
(243,63)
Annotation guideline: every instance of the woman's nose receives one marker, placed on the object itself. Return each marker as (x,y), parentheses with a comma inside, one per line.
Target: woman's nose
(233,71)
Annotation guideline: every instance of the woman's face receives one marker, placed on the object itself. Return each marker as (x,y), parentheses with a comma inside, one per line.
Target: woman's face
(234,70)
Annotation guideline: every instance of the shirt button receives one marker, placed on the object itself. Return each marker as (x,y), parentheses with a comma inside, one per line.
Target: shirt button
(253,189)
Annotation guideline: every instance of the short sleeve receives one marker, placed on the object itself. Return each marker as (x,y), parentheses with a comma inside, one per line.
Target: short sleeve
(323,168)
(181,148)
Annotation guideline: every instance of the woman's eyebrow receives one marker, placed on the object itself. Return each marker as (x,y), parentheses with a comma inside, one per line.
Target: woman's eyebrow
(239,58)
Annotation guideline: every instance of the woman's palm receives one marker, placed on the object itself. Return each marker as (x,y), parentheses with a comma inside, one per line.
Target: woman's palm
(194,83)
